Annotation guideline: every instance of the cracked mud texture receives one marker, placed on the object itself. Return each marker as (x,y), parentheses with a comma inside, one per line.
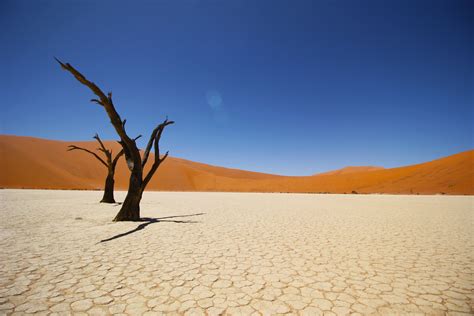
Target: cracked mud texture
(236,254)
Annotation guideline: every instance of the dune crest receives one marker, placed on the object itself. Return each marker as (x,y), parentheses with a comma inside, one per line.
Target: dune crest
(45,164)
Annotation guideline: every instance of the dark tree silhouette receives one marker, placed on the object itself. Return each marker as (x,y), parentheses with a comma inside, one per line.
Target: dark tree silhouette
(130,210)
(109,163)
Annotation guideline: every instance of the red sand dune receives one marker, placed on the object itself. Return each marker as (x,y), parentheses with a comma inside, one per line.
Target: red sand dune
(29,162)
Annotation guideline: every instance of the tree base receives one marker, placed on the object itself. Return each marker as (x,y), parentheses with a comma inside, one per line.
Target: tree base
(130,210)
(108,196)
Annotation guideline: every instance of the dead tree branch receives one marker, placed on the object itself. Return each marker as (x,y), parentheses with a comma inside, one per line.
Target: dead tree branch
(74,147)
(155,138)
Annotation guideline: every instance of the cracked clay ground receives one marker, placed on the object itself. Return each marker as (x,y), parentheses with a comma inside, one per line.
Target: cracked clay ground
(236,254)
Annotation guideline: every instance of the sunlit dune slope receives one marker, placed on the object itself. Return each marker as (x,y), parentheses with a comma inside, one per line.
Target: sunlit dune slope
(38,163)
(350,169)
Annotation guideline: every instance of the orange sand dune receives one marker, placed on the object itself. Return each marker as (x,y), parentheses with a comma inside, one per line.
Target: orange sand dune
(29,162)
(350,169)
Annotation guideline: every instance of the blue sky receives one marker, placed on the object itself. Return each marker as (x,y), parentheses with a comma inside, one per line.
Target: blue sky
(286,87)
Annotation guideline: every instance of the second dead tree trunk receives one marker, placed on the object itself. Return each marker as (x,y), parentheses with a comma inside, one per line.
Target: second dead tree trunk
(130,210)
(109,163)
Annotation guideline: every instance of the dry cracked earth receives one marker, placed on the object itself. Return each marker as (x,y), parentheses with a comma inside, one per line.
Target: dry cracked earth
(236,254)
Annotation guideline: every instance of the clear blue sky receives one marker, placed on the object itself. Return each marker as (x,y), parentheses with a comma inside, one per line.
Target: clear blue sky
(286,87)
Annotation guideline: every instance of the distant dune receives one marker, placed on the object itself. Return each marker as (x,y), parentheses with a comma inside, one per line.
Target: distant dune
(350,169)
(29,162)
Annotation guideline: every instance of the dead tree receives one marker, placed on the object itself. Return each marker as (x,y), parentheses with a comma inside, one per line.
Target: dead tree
(130,210)
(109,163)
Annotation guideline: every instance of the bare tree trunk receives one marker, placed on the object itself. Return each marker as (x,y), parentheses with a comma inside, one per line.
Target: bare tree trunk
(130,210)
(109,189)
(109,163)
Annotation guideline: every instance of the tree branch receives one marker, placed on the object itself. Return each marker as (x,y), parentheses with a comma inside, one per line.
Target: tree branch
(97,101)
(156,134)
(102,148)
(80,77)
(74,147)
(164,157)
(114,162)
(155,138)
(148,146)
(107,103)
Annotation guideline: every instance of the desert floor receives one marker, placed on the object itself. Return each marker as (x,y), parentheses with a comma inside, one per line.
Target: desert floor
(236,253)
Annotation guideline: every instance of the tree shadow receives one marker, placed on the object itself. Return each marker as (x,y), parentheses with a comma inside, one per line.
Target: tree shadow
(150,220)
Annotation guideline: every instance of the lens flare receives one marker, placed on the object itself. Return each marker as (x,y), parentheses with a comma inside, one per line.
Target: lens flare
(214,99)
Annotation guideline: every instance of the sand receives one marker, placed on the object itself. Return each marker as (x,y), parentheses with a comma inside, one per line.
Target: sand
(45,164)
(237,253)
